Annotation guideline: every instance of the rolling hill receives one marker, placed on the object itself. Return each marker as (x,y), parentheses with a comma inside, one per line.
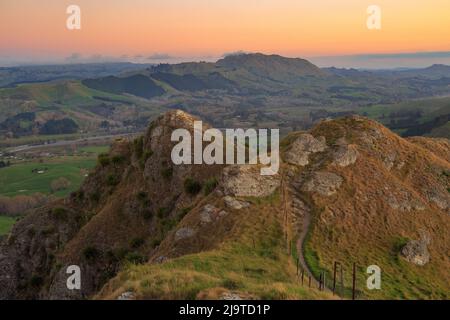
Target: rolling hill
(349,190)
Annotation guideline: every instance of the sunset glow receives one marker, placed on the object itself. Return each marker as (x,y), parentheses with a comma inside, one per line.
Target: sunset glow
(211,28)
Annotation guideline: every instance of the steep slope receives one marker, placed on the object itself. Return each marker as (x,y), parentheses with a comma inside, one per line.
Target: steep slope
(349,191)
(372,196)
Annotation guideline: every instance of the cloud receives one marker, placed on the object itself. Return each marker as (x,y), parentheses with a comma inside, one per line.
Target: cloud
(74,57)
(160,56)
(384,60)
(234,53)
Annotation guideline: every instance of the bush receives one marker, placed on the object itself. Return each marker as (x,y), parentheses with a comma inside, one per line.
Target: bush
(36,281)
(138,145)
(103,159)
(91,253)
(192,186)
(95,197)
(118,159)
(59,213)
(162,212)
(147,154)
(136,242)
(148,214)
(210,185)
(167,173)
(135,258)
(59,184)
(142,196)
(112,180)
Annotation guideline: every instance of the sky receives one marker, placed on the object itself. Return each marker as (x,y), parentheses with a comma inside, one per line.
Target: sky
(326,31)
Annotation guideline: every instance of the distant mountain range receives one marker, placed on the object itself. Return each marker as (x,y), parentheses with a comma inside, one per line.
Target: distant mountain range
(238,90)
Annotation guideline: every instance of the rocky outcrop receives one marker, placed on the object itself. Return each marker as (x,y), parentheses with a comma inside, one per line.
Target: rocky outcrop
(184,233)
(416,252)
(324,183)
(345,155)
(302,147)
(247,181)
(234,203)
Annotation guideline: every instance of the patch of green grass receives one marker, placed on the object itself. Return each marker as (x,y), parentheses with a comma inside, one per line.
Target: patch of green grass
(6,224)
(19,178)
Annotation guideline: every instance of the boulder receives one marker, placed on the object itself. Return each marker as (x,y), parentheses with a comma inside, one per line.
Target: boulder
(416,252)
(302,147)
(184,233)
(247,181)
(234,203)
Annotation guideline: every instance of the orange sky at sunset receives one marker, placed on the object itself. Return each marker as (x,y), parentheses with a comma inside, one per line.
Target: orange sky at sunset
(212,27)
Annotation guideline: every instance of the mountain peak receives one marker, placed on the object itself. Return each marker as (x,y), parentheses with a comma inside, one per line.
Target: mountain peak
(273,66)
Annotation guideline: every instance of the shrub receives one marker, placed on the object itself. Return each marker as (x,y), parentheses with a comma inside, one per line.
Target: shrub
(118,159)
(167,173)
(136,242)
(95,197)
(36,281)
(156,242)
(112,180)
(59,213)
(162,212)
(135,258)
(91,253)
(59,184)
(142,196)
(210,185)
(103,159)
(184,212)
(147,154)
(148,214)
(192,186)
(138,145)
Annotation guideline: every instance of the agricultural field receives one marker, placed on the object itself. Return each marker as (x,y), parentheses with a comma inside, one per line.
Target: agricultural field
(5,224)
(43,178)
(31,177)
(427,117)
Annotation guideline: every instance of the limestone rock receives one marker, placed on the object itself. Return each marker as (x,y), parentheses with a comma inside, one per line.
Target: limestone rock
(404,201)
(302,147)
(346,155)
(184,233)
(234,203)
(247,181)
(324,183)
(230,296)
(416,251)
(127,295)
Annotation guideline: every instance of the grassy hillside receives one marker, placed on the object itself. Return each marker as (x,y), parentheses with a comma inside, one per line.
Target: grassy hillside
(253,262)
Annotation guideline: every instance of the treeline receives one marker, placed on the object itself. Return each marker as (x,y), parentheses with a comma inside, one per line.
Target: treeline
(428,126)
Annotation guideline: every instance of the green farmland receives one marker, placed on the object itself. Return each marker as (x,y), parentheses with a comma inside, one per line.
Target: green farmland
(5,224)
(31,177)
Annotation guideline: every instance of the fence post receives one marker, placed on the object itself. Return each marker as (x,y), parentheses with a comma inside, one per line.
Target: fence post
(303,273)
(354,281)
(320,281)
(334,277)
(309,285)
(297,267)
